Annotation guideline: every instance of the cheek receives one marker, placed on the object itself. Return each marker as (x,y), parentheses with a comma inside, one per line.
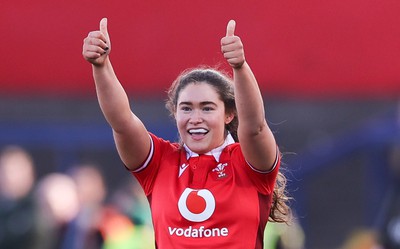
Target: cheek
(219,122)
(180,123)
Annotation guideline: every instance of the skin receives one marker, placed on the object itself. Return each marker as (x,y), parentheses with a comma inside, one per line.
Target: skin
(257,141)
(200,107)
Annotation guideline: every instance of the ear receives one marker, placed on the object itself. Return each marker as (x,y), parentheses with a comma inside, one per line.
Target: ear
(229,117)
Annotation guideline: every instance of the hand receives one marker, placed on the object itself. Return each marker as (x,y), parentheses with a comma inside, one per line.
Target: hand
(232,47)
(97,45)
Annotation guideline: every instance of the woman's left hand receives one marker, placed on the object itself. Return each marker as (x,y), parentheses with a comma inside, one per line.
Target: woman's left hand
(232,47)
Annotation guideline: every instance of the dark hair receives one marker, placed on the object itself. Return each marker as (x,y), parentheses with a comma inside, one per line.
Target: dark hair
(221,82)
(280,211)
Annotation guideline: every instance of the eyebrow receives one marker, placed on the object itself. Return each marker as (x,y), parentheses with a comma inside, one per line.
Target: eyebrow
(201,103)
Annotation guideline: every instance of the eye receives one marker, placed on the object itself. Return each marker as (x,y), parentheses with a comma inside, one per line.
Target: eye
(208,108)
(186,108)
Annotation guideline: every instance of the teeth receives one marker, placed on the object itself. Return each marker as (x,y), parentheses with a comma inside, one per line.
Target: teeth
(200,130)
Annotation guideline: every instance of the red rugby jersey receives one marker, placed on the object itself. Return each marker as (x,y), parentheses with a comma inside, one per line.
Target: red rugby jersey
(206,201)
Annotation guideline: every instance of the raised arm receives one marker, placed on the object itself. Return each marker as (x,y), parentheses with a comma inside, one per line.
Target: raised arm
(256,139)
(131,137)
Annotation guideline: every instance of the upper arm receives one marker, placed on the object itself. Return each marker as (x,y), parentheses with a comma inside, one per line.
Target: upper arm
(133,143)
(259,148)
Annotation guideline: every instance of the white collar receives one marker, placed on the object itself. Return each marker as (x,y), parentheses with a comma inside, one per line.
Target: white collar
(214,152)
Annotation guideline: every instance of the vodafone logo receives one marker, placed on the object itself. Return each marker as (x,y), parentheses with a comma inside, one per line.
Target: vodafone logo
(196,205)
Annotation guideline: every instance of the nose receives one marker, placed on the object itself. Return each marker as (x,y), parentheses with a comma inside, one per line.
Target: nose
(195,117)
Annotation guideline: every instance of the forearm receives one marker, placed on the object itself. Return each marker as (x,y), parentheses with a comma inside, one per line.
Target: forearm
(112,97)
(249,102)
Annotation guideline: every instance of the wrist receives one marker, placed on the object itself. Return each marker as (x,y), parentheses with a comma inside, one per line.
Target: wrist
(101,65)
(240,67)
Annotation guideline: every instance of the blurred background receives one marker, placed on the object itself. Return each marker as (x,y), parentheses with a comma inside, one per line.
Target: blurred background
(329,72)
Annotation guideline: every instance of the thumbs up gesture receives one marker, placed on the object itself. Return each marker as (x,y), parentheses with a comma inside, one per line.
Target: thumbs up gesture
(232,47)
(97,45)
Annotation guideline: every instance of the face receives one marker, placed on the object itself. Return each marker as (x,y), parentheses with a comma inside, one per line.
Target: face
(201,118)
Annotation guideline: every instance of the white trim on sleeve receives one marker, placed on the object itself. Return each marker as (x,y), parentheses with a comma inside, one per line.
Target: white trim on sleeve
(148,157)
(273,167)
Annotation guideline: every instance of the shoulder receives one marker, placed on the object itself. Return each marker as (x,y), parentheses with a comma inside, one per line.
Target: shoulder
(165,144)
(263,181)
(233,152)
(159,150)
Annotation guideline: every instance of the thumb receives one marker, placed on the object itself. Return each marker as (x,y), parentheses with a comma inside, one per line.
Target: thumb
(230,28)
(103,26)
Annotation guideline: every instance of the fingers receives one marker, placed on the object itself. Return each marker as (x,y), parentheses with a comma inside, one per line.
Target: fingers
(230,28)
(88,55)
(103,27)
(104,32)
(232,47)
(235,57)
(233,44)
(230,34)
(97,44)
(88,48)
(99,38)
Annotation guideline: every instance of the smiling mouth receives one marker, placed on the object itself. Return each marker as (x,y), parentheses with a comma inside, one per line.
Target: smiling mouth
(199,131)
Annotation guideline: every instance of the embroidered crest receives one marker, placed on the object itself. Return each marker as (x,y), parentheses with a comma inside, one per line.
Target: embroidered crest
(220,170)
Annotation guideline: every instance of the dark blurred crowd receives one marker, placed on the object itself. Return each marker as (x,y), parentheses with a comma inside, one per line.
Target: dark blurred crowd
(68,210)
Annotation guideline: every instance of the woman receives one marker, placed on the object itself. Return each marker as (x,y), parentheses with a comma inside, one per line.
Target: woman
(207,191)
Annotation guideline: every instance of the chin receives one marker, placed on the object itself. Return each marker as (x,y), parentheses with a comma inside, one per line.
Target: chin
(198,149)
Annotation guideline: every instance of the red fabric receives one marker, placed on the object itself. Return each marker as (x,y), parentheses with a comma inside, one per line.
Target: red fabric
(202,203)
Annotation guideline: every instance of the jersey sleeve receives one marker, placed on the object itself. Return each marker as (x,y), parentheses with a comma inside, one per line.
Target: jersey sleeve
(264,181)
(147,172)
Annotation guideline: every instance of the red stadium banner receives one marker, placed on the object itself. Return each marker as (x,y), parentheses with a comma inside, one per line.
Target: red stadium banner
(300,49)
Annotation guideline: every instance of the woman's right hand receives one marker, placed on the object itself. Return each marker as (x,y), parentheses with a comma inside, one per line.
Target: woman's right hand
(97,45)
